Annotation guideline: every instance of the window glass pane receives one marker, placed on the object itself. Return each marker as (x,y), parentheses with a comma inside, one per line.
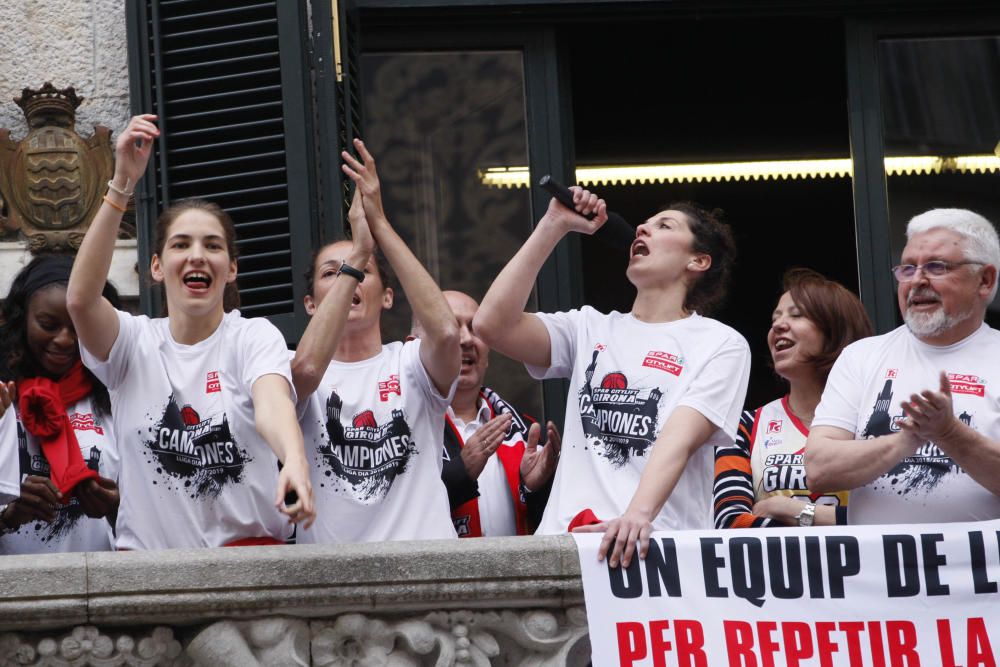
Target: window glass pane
(941,116)
(436,122)
(717,102)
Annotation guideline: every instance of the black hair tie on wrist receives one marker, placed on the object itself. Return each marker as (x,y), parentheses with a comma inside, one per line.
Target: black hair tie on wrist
(351,271)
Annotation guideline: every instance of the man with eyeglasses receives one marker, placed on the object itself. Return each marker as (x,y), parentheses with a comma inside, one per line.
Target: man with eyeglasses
(910,420)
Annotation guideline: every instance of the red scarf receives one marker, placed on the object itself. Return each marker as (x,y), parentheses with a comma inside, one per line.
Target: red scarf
(42,404)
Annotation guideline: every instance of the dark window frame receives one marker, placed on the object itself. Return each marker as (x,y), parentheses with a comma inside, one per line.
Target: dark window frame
(550,140)
(871,201)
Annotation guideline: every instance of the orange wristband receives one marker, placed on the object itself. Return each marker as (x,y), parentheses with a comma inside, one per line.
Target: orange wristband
(114,205)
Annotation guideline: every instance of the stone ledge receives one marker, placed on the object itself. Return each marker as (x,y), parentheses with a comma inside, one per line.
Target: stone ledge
(43,592)
(184,587)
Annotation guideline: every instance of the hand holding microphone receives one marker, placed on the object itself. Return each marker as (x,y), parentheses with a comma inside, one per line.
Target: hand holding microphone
(615,232)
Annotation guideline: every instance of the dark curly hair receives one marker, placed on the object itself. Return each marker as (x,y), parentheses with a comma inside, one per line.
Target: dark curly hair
(17,360)
(711,237)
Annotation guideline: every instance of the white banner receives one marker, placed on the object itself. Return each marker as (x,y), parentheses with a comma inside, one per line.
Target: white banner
(876,596)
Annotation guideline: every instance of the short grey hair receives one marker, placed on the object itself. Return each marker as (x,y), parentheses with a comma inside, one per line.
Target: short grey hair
(981,243)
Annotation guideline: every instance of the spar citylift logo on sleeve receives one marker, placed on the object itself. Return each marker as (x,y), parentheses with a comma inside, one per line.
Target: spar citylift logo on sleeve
(967,383)
(387,388)
(664,361)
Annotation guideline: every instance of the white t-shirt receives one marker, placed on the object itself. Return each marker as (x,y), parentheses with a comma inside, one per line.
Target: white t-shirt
(72,529)
(373,433)
(626,378)
(10,470)
(194,470)
(863,395)
(496,506)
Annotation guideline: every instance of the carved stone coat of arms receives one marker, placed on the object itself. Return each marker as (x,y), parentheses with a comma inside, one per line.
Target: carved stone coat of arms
(53,179)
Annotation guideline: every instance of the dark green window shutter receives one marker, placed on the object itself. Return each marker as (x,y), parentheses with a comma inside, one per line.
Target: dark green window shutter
(229,80)
(337,44)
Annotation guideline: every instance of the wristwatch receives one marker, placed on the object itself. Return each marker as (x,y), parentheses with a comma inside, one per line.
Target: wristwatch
(807,516)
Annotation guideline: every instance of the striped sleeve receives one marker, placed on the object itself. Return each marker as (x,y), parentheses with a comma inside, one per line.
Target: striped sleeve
(733,492)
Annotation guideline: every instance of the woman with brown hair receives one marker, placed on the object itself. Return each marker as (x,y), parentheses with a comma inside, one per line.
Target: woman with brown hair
(202,399)
(651,390)
(760,479)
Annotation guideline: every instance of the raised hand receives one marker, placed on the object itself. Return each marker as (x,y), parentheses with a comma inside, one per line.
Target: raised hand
(361,234)
(480,447)
(132,150)
(365,177)
(574,220)
(539,464)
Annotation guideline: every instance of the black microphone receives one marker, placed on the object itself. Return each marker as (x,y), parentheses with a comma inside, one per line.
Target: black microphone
(616,232)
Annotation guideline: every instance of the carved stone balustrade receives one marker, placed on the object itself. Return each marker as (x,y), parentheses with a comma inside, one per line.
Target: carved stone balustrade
(503,601)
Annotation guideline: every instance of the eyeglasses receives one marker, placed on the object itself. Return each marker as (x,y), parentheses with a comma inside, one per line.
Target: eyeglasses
(904,273)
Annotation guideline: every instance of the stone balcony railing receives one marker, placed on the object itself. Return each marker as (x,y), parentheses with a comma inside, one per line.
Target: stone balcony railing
(503,601)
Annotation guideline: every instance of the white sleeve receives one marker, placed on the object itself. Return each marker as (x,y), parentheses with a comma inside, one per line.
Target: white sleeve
(110,464)
(113,371)
(10,460)
(841,401)
(562,328)
(264,352)
(413,367)
(720,388)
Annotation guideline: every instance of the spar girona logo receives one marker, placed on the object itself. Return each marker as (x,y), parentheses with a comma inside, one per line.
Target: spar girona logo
(619,420)
(364,455)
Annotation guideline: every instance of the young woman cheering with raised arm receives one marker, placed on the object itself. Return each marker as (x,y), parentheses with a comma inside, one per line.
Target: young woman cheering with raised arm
(651,390)
(202,399)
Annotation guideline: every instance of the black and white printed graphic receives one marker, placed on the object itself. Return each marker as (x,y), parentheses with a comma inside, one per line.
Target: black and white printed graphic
(619,421)
(925,469)
(68,515)
(366,455)
(199,454)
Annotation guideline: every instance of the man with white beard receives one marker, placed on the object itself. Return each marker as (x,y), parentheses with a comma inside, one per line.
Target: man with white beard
(910,421)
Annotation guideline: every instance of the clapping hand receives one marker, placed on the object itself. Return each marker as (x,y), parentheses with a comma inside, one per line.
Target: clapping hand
(483,443)
(539,463)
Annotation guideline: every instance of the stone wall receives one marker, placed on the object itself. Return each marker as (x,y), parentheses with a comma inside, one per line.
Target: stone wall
(78,43)
(502,601)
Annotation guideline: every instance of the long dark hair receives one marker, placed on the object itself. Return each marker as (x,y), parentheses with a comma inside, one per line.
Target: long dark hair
(17,360)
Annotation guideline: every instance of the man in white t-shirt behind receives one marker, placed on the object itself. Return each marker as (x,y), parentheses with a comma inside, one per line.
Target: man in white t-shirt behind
(496,475)
(910,421)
